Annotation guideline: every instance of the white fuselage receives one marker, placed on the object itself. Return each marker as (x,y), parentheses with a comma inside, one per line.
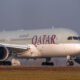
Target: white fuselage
(43,36)
(51,50)
(43,43)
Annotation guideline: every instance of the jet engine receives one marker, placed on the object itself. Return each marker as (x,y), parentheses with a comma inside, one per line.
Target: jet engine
(4,53)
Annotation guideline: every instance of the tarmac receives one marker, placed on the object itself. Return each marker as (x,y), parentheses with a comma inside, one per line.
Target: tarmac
(43,68)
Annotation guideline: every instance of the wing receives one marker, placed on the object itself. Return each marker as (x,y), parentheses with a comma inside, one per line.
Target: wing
(22,51)
(7,50)
(15,46)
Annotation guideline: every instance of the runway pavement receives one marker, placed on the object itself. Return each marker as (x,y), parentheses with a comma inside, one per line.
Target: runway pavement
(47,68)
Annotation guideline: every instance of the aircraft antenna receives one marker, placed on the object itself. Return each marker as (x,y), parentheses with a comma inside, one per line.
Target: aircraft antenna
(53,27)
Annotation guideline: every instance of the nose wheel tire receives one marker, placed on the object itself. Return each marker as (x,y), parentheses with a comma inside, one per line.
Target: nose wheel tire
(69,63)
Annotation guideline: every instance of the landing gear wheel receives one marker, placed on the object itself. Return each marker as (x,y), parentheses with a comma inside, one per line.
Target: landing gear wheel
(47,63)
(70,63)
(7,63)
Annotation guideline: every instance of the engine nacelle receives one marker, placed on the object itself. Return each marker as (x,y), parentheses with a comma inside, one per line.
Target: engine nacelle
(4,53)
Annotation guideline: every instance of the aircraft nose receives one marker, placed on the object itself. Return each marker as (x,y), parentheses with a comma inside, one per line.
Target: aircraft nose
(77,47)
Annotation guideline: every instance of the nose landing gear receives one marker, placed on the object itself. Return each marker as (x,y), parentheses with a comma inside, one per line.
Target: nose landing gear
(69,61)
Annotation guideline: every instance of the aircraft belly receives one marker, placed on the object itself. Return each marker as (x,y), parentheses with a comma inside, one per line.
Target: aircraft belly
(50,50)
(53,50)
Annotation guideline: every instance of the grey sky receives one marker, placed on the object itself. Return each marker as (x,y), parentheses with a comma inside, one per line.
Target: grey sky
(32,14)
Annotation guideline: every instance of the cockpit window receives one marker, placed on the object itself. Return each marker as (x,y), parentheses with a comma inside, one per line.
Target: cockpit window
(70,38)
(79,38)
(74,38)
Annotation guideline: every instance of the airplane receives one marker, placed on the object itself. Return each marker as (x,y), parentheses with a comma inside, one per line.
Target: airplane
(42,43)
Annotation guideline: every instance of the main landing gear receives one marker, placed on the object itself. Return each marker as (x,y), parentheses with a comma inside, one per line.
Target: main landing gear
(69,61)
(47,63)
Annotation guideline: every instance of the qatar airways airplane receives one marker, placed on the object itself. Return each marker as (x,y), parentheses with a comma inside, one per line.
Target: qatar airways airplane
(42,43)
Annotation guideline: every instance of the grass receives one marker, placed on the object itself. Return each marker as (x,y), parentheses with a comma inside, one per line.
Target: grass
(39,75)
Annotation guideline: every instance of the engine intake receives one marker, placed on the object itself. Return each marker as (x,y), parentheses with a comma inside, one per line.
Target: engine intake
(4,53)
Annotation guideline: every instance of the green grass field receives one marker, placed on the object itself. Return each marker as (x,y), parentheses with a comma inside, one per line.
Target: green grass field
(39,75)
